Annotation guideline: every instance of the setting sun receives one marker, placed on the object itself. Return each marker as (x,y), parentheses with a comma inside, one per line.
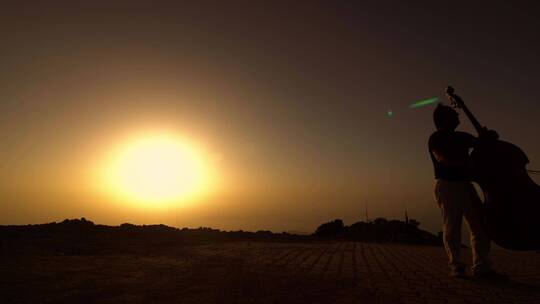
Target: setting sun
(157,170)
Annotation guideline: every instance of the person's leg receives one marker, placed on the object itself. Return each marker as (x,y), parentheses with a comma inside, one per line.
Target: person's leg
(448,198)
(480,242)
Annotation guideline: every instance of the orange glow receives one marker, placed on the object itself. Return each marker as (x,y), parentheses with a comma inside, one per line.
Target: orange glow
(156,170)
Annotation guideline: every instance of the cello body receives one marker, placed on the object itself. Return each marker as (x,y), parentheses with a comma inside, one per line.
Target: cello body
(511,213)
(511,197)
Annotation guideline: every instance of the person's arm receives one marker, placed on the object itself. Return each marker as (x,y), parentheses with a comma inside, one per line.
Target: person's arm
(488,134)
(441,158)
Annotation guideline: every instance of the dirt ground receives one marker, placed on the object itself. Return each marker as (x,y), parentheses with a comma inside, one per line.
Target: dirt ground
(265,272)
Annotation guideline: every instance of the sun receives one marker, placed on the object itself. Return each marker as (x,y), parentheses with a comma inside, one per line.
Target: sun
(157,170)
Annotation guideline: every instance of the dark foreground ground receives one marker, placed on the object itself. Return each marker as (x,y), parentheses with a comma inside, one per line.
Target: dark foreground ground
(264,272)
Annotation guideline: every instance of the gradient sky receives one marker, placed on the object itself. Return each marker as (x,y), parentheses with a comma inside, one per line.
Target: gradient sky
(290,99)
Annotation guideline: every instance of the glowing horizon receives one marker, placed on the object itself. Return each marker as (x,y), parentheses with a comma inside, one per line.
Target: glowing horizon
(286,115)
(155,170)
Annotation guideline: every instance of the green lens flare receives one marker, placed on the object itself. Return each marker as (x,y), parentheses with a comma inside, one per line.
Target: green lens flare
(390,113)
(424,102)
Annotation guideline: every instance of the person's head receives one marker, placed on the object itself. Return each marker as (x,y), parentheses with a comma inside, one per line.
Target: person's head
(445,118)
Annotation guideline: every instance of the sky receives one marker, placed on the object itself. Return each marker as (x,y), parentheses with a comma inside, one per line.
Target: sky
(287,100)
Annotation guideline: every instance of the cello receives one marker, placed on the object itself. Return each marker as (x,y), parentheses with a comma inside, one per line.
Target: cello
(511,206)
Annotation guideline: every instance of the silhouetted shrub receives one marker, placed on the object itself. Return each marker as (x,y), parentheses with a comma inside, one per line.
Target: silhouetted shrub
(379,230)
(415,223)
(330,229)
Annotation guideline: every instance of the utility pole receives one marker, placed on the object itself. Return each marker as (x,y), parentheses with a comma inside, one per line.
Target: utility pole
(406,217)
(367,218)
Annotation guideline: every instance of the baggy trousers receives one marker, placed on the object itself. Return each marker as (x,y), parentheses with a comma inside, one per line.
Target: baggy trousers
(458,199)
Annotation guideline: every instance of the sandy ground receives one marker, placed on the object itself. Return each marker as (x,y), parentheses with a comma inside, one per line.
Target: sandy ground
(265,272)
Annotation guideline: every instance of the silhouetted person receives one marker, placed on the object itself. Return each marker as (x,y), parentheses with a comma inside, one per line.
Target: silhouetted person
(456,195)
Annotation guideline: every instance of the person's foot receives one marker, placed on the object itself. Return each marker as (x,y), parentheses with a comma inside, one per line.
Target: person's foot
(458,272)
(491,275)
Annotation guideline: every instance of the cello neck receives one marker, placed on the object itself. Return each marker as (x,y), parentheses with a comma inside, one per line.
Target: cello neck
(458,103)
(477,126)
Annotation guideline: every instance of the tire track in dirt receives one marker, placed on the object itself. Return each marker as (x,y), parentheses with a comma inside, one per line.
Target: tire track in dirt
(283,255)
(412,259)
(339,271)
(326,267)
(363,267)
(308,262)
(354,262)
(347,264)
(307,254)
(382,278)
(401,284)
(302,276)
(297,255)
(421,285)
(290,258)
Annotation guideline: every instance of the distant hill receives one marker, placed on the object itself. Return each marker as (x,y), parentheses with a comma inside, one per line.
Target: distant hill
(379,230)
(81,236)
